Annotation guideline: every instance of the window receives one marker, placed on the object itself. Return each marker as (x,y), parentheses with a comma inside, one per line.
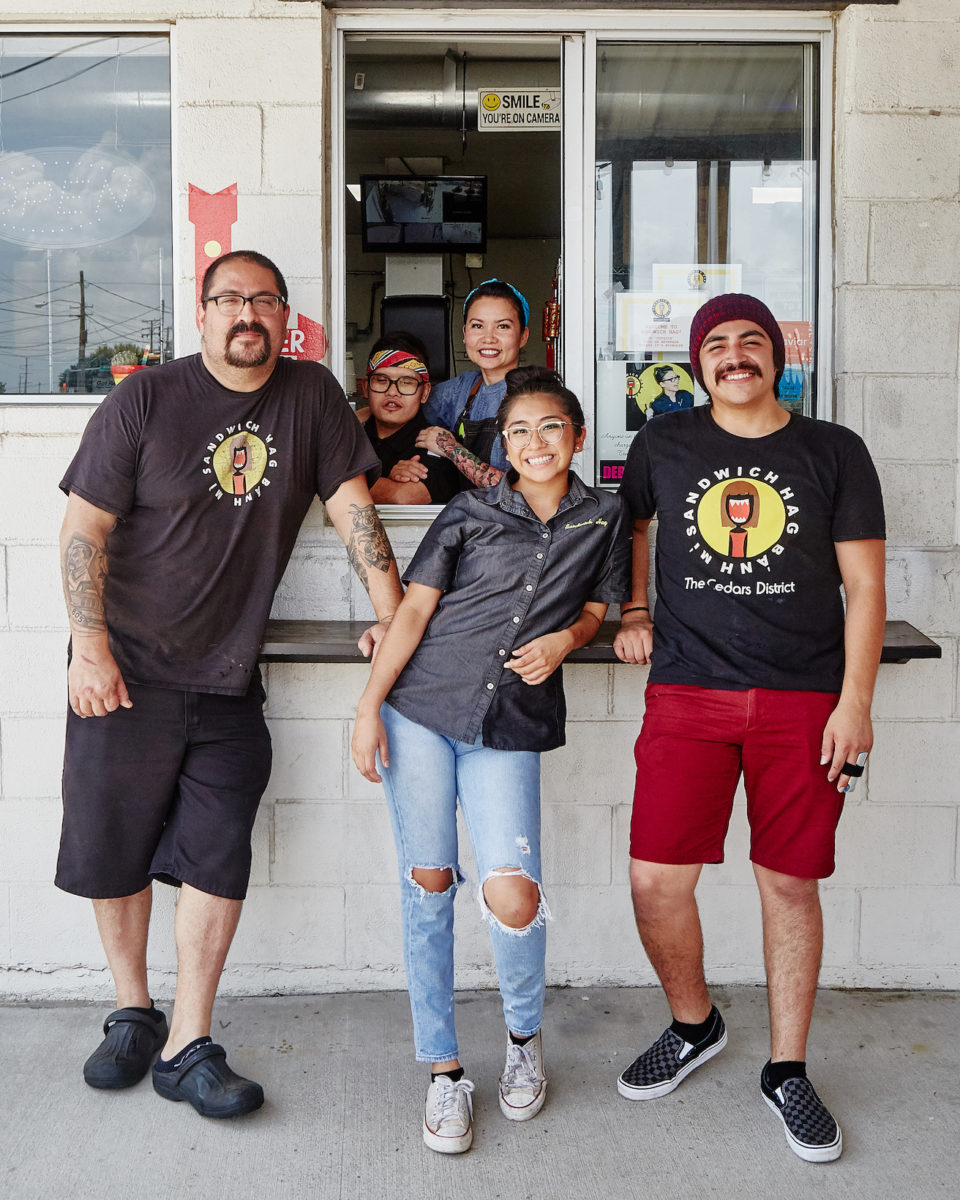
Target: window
(706,182)
(85,211)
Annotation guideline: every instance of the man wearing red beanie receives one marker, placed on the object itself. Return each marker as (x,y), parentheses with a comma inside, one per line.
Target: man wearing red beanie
(763,516)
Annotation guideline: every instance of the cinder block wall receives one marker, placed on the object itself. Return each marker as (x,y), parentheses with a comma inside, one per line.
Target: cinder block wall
(322,910)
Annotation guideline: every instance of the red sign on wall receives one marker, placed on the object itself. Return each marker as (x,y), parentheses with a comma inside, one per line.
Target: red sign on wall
(213,215)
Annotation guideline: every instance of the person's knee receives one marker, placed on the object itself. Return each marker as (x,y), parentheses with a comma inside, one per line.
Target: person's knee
(787,891)
(513,899)
(432,879)
(659,887)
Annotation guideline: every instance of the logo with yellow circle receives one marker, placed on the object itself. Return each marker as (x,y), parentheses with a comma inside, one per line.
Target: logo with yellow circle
(661,309)
(741,518)
(490,101)
(239,463)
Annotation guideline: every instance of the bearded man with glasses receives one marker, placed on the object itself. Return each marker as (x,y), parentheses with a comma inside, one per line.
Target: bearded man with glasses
(184,503)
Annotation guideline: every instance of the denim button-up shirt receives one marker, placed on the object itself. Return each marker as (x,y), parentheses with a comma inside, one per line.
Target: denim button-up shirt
(507,577)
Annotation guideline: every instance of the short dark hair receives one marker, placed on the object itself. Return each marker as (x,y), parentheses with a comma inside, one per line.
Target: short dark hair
(253,256)
(527,381)
(409,343)
(501,291)
(660,373)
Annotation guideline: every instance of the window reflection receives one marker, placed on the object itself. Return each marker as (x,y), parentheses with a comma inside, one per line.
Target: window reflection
(85,213)
(706,183)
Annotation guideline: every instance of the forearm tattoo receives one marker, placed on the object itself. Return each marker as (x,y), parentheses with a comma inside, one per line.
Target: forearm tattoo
(479,473)
(84,569)
(368,545)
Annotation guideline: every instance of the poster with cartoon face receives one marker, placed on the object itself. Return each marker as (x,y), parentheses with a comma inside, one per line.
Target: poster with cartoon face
(628,395)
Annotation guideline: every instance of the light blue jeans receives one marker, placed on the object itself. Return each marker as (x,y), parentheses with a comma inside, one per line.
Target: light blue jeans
(499,792)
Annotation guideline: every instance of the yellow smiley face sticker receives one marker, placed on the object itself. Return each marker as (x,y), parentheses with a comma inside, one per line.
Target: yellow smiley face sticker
(490,101)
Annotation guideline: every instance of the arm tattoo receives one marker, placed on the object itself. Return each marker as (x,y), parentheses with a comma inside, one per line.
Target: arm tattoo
(368,545)
(479,473)
(84,570)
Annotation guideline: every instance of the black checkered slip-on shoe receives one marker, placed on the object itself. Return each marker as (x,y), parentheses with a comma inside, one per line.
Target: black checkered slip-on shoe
(668,1062)
(810,1129)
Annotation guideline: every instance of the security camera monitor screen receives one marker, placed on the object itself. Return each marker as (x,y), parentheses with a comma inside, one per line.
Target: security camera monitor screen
(417,214)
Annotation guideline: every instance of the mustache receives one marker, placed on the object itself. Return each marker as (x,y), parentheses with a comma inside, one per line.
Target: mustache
(248,327)
(741,366)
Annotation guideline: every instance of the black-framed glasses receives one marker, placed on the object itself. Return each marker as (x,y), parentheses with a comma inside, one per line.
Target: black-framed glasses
(549,432)
(264,303)
(404,385)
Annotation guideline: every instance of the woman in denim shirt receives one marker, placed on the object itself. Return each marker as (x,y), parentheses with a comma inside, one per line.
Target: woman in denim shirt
(464,694)
(462,412)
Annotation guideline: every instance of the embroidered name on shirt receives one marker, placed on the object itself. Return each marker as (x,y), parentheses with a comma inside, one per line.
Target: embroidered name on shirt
(581,524)
(239,459)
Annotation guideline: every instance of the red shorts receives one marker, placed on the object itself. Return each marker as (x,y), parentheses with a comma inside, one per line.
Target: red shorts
(693,746)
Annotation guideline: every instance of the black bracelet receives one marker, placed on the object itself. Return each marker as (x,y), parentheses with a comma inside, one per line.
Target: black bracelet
(634,608)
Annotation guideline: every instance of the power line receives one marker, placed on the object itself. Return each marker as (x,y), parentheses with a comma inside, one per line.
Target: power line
(66,78)
(126,299)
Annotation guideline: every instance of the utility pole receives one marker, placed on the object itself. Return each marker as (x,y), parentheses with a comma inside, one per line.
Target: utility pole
(82,344)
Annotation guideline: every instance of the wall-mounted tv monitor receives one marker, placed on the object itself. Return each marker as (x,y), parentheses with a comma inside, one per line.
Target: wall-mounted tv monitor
(423,214)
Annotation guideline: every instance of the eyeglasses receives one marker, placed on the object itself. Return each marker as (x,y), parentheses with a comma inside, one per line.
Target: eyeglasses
(670,379)
(549,433)
(264,304)
(404,385)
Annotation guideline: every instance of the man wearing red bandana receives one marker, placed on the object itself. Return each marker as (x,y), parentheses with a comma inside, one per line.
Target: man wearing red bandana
(766,520)
(396,387)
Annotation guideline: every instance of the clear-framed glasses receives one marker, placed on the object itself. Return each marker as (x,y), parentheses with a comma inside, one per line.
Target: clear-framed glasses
(549,432)
(405,385)
(264,303)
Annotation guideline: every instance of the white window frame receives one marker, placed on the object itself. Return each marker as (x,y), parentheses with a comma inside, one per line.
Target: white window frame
(79,29)
(583,30)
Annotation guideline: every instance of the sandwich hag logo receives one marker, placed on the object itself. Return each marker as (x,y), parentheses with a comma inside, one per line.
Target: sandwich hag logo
(737,520)
(238,459)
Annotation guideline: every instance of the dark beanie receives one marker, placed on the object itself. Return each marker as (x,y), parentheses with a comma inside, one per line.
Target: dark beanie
(735,306)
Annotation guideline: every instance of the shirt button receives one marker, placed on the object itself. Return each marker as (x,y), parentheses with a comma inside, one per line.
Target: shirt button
(529,587)
(502,653)
(516,620)
(489,687)
(539,556)
(546,535)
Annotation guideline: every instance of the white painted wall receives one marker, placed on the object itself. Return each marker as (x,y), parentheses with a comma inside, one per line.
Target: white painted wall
(322,910)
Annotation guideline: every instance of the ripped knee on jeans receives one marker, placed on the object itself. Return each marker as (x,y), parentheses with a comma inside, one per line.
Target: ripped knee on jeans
(513,899)
(436,880)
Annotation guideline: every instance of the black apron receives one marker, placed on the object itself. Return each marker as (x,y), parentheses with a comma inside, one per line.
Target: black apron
(477,436)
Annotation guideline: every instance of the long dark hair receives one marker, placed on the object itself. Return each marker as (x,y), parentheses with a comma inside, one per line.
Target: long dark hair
(532,381)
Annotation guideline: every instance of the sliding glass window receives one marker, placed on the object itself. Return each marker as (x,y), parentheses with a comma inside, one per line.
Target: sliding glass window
(706,182)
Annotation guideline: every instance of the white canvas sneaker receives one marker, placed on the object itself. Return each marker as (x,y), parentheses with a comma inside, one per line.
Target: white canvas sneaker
(448,1115)
(523,1085)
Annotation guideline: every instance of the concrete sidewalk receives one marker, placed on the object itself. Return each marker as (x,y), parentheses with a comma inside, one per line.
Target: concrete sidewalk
(344,1103)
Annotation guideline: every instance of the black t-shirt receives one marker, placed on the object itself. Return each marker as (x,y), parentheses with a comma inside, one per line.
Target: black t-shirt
(210,487)
(748,586)
(443,480)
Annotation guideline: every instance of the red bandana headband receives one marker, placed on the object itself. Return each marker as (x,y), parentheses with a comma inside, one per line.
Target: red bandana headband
(384,359)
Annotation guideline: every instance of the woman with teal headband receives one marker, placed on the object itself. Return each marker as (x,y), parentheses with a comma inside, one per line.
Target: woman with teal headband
(462,411)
